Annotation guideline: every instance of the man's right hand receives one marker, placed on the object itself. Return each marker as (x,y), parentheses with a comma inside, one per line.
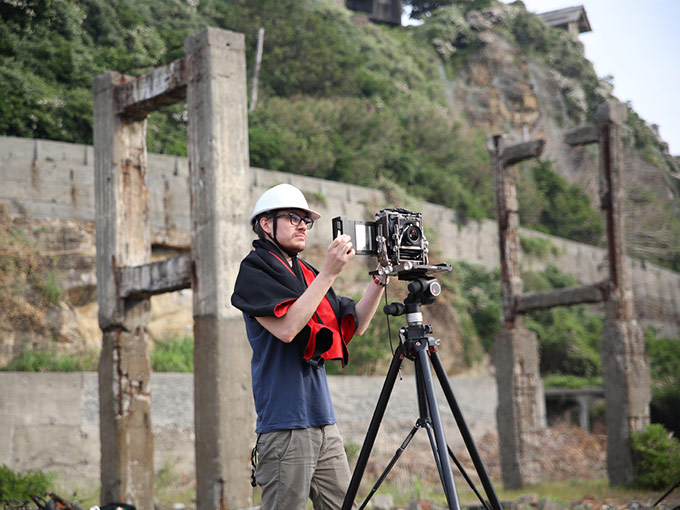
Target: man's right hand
(339,253)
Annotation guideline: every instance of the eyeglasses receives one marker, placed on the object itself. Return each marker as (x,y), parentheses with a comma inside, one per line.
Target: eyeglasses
(295,219)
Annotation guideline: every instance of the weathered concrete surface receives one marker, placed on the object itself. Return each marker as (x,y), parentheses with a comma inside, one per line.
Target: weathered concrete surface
(516,358)
(520,410)
(50,421)
(220,206)
(625,373)
(123,240)
(625,369)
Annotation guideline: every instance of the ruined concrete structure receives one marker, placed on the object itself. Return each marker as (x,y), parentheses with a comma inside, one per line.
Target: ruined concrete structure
(212,78)
(625,368)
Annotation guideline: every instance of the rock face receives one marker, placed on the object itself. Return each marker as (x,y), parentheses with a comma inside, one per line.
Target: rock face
(502,90)
(54,300)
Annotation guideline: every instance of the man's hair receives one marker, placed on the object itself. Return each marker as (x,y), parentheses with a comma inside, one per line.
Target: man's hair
(257,228)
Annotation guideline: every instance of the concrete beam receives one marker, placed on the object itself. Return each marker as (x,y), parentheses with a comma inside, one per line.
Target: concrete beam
(561,297)
(163,86)
(155,278)
(581,136)
(522,151)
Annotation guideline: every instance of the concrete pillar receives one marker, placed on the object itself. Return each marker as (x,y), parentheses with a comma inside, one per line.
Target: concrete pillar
(518,415)
(625,368)
(515,352)
(123,239)
(583,402)
(220,202)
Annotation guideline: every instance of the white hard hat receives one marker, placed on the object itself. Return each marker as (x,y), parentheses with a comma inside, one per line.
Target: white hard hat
(283,196)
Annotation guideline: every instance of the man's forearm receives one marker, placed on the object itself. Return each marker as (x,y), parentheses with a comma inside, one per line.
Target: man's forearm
(287,327)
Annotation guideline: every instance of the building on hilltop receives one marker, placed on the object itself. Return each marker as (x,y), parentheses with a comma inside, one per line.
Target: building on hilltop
(379,11)
(572,19)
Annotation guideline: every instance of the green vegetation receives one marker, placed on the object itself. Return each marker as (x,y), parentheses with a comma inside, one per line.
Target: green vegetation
(538,247)
(25,293)
(570,381)
(174,355)
(19,486)
(476,296)
(356,103)
(656,457)
(549,204)
(52,291)
(569,337)
(553,48)
(370,353)
(34,360)
(364,104)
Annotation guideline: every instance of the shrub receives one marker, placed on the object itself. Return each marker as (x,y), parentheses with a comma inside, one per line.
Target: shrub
(568,337)
(550,204)
(477,299)
(538,247)
(656,457)
(20,486)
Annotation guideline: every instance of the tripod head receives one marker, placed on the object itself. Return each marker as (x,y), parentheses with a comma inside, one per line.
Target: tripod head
(422,291)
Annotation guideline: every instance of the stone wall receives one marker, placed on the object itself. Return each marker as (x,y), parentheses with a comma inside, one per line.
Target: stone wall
(53,180)
(56,429)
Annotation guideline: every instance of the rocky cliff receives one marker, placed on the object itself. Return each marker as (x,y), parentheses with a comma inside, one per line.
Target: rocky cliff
(508,84)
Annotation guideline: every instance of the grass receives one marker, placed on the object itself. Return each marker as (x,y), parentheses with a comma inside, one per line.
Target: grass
(35,360)
(171,488)
(174,355)
(566,492)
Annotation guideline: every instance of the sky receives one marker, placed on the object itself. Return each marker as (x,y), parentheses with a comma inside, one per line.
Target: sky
(638,43)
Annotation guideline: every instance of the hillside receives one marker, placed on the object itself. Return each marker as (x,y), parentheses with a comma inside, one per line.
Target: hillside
(348,100)
(405,110)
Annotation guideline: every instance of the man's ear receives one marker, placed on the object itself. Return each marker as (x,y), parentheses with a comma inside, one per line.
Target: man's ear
(265,224)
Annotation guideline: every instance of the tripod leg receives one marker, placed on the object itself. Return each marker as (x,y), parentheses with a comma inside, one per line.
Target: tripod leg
(373,427)
(465,431)
(392,462)
(442,447)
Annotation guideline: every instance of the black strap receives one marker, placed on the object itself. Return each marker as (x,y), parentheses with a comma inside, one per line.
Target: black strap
(253,463)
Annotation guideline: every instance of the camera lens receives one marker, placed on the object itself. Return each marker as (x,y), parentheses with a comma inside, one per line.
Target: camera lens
(412,235)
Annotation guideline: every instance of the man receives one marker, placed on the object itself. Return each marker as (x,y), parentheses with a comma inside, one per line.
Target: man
(294,322)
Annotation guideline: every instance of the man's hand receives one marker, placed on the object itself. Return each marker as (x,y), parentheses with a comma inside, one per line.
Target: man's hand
(339,253)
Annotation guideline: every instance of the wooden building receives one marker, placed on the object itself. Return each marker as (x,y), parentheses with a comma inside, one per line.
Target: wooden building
(572,19)
(379,11)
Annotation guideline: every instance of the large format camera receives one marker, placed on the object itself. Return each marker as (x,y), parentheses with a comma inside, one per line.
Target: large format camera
(396,237)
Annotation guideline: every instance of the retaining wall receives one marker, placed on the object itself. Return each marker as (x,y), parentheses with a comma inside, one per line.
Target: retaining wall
(50,421)
(45,179)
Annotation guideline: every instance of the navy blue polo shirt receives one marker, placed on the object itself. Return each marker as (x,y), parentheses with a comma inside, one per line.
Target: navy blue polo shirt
(288,392)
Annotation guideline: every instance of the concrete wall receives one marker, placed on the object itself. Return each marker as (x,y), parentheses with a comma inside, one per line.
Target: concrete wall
(44,179)
(50,421)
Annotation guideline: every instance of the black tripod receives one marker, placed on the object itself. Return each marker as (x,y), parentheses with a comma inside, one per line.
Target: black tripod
(418,347)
